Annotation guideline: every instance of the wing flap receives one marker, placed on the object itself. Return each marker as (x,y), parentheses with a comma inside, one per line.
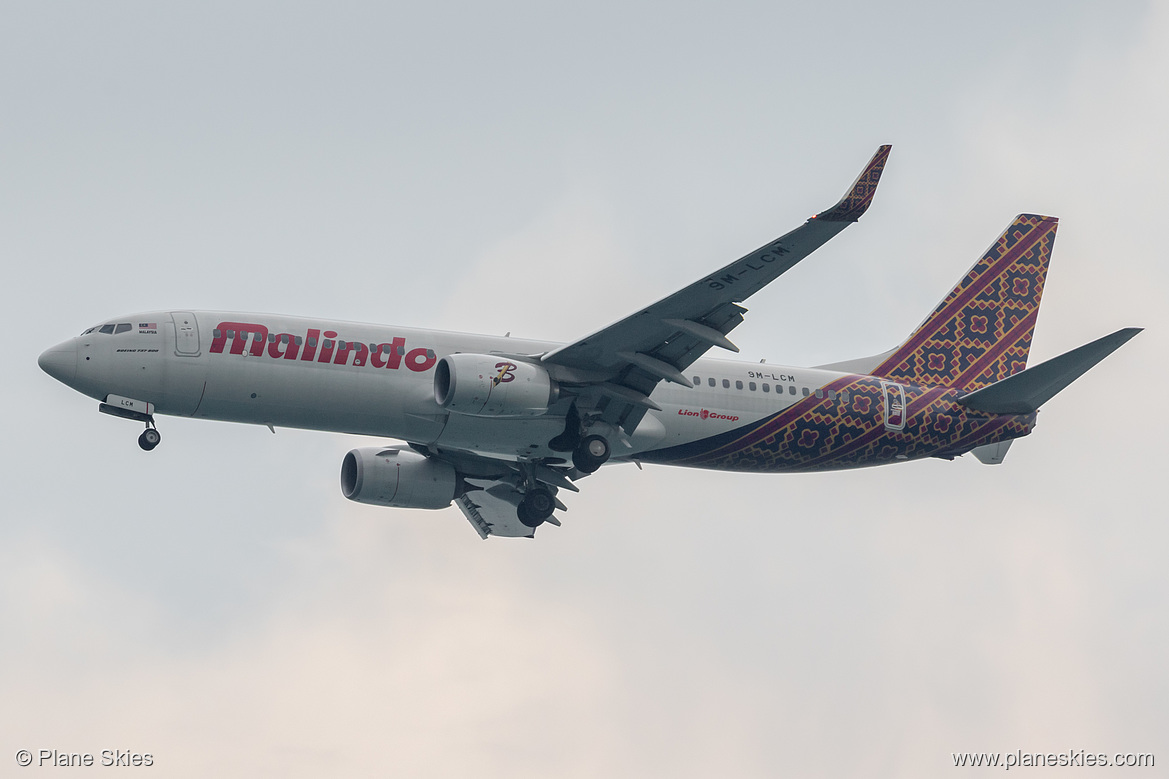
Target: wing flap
(492,512)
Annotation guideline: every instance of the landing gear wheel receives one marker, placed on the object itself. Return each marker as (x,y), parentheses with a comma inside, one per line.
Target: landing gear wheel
(591,454)
(149,439)
(536,507)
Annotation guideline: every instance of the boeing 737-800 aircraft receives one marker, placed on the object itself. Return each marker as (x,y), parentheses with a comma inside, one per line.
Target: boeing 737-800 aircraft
(500,426)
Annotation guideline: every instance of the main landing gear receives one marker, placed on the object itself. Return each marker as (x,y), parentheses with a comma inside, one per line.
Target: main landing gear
(150,437)
(536,507)
(591,453)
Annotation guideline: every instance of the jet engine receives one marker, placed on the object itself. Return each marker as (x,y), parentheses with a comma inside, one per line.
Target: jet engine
(485,385)
(400,478)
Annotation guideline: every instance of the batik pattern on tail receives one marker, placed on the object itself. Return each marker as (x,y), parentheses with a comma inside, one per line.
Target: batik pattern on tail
(981,332)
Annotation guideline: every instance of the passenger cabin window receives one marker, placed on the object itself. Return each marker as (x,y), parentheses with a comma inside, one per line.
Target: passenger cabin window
(832,394)
(766,387)
(751,385)
(806,392)
(710,381)
(107,329)
(726,383)
(738,385)
(819,393)
(697,381)
(791,390)
(844,396)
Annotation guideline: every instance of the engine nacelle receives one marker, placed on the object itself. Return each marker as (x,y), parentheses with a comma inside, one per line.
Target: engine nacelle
(398,478)
(484,385)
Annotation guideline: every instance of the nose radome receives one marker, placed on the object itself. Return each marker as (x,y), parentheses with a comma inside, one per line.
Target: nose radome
(60,362)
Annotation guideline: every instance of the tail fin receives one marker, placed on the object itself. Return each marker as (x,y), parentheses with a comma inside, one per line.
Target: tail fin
(981,332)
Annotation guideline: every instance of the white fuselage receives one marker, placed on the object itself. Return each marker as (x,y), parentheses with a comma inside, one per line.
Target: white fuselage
(378,380)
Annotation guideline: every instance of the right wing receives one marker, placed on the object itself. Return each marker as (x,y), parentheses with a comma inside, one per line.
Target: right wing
(612,372)
(625,361)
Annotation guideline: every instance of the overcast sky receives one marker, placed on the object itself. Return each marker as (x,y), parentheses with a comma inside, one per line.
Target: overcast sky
(541,170)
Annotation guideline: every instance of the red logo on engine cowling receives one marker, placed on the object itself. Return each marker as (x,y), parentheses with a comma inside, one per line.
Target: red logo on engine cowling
(506,373)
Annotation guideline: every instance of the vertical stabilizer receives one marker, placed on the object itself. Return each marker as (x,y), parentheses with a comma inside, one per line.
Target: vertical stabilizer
(981,332)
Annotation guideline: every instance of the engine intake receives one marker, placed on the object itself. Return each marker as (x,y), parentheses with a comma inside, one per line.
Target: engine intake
(485,385)
(397,477)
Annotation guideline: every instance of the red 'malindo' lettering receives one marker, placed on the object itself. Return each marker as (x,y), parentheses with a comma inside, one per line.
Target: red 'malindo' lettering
(310,346)
(359,353)
(239,332)
(288,342)
(327,347)
(320,348)
(420,360)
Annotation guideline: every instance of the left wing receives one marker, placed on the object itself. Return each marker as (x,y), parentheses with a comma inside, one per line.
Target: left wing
(620,365)
(492,488)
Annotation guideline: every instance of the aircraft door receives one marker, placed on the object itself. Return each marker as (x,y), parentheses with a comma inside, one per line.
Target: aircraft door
(186,334)
(893,399)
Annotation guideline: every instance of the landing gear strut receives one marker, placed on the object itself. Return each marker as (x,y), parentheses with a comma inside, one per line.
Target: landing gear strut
(150,437)
(591,454)
(536,507)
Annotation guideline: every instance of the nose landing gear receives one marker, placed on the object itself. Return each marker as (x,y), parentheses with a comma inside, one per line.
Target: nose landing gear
(150,437)
(139,411)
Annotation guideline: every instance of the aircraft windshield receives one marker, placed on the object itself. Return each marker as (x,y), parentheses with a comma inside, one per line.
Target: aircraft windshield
(111,329)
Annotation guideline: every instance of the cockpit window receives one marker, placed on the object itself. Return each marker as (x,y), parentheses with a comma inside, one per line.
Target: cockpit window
(124,327)
(90,330)
(107,329)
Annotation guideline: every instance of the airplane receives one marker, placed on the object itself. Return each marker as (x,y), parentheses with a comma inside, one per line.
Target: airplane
(502,426)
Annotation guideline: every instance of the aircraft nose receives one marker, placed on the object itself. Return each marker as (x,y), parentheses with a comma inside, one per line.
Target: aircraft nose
(60,362)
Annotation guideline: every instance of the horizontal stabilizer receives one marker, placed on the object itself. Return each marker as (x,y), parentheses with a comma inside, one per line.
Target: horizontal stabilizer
(1025,392)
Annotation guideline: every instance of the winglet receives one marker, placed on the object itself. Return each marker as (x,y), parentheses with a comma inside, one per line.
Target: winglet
(856,201)
(1025,392)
